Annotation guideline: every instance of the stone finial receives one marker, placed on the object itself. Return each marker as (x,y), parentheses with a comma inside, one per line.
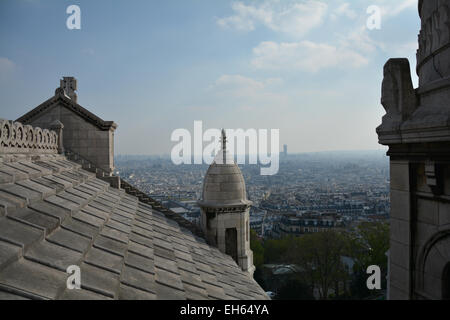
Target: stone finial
(397,94)
(69,85)
(224,146)
(58,127)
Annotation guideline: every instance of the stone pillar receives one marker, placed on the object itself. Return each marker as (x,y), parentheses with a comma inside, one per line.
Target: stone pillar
(400,231)
(58,127)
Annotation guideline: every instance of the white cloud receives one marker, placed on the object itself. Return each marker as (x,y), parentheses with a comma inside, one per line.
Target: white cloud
(305,56)
(359,40)
(344,10)
(399,6)
(392,8)
(246,93)
(296,18)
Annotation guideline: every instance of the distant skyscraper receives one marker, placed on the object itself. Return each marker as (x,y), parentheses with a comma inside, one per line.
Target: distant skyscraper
(285,150)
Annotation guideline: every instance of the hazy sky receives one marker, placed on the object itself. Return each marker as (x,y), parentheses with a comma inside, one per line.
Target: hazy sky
(309,68)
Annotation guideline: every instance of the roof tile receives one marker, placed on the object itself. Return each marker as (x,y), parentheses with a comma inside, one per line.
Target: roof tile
(139,262)
(138,279)
(69,240)
(168,278)
(19,233)
(110,245)
(53,256)
(99,280)
(34,278)
(130,293)
(104,260)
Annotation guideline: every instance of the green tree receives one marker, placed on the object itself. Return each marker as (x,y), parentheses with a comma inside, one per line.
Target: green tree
(319,256)
(257,248)
(275,250)
(294,289)
(368,246)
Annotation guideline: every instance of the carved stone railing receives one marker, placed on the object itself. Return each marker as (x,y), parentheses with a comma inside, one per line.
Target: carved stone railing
(25,139)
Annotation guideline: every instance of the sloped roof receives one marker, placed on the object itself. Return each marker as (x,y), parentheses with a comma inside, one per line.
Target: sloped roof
(54,214)
(61,99)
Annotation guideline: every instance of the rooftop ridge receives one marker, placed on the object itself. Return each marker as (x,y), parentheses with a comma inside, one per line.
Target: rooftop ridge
(16,138)
(60,96)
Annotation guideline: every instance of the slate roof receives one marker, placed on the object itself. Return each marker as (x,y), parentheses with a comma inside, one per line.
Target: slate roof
(54,214)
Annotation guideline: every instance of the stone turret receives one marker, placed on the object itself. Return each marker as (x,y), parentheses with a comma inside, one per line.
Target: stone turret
(416,128)
(225,209)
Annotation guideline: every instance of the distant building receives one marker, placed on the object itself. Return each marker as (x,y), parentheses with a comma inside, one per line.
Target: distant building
(285,150)
(297,225)
(416,128)
(257,222)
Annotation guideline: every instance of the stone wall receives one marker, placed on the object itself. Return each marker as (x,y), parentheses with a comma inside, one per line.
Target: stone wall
(420,222)
(416,128)
(81,137)
(215,222)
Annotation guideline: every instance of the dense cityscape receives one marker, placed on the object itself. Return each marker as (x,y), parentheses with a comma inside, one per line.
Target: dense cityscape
(327,189)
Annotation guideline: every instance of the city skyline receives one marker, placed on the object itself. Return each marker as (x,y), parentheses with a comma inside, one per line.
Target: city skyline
(157,67)
(323,152)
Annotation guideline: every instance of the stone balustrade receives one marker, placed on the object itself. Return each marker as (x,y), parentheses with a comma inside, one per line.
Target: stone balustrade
(18,138)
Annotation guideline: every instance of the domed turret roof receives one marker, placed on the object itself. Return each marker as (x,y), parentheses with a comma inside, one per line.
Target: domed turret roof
(224,184)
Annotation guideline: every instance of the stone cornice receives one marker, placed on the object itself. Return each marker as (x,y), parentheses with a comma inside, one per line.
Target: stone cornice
(61,99)
(225,206)
(413,116)
(417,135)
